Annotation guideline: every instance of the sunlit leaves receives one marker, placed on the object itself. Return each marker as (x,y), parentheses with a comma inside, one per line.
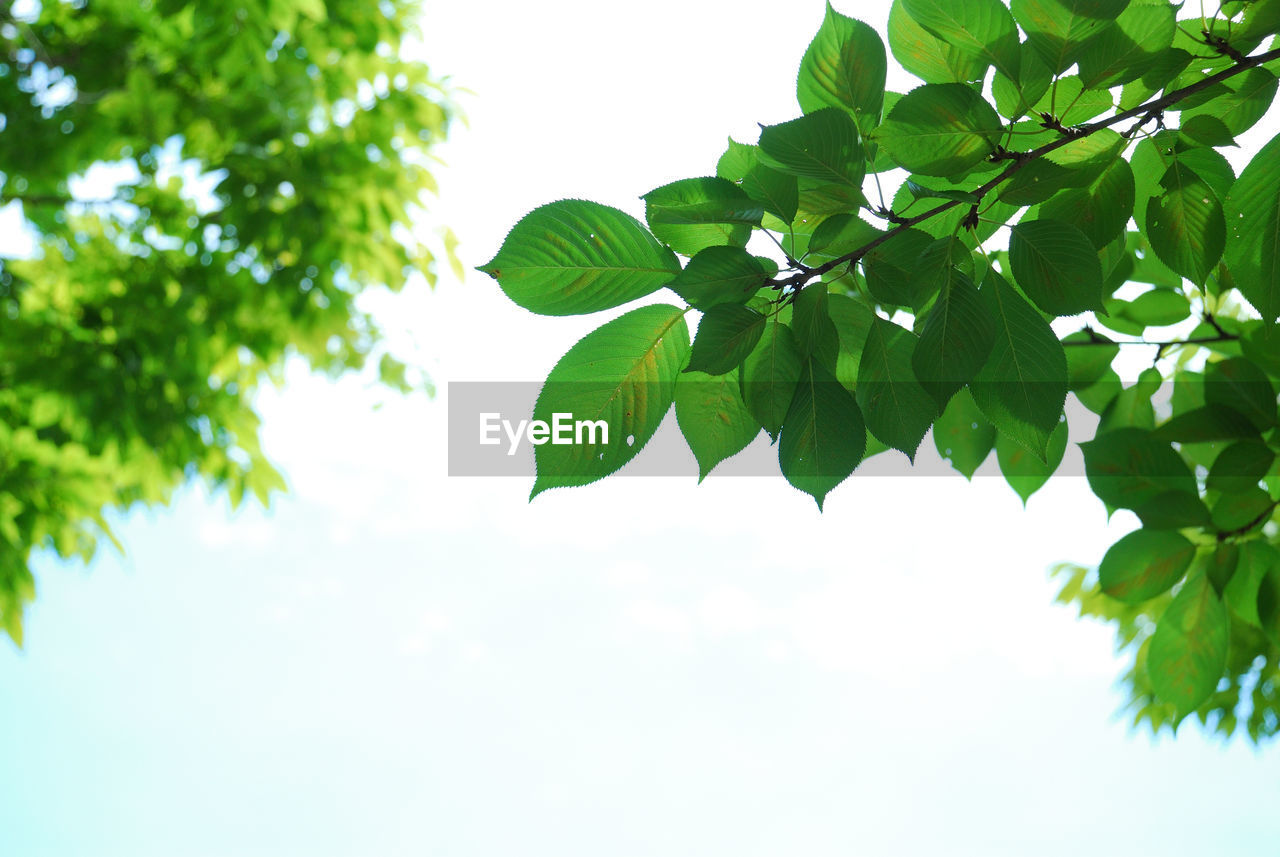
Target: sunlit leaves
(844,67)
(822,145)
(823,438)
(726,335)
(955,340)
(1185,224)
(1056,266)
(1237,104)
(1027,473)
(623,373)
(692,214)
(1188,651)
(930,58)
(897,409)
(1144,564)
(770,374)
(980,28)
(1023,384)
(1252,213)
(963,435)
(1059,29)
(713,418)
(1125,48)
(890,265)
(1101,209)
(719,275)
(940,130)
(572,257)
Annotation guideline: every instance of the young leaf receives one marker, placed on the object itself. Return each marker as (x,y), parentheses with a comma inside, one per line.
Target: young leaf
(963,435)
(719,275)
(823,436)
(726,335)
(955,341)
(897,409)
(622,373)
(573,257)
(1023,385)
(940,129)
(1188,651)
(844,67)
(1144,564)
(1252,212)
(770,374)
(1056,265)
(692,214)
(713,418)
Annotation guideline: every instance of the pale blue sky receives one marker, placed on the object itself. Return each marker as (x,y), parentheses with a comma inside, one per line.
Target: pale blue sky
(392,662)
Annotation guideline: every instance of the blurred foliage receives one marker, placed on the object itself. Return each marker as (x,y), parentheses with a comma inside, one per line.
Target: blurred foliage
(192,192)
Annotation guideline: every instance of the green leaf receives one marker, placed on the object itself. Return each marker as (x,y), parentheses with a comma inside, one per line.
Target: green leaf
(897,409)
(963,435)
(692,214)
(840,234)
(889,267)
(1239,384)
(955,341)
(852,319)
(1207,130)
(822,145)
(1128,46)
(770,374)
(1185,224)
(940,129)
(981,28)
(1056,265)
(1156,308)
(1015,96)
(737,161)
(919,191)
(719,275)
(1059,29)
(1088,364)
(623,373)
(1240,467)
(1252,213)
(1129,466)
(573,257)
(726,335)
(1188,651)
(938,264)
(928,57)
(1245,101)
(1102,209)
(1025,473)
(1144,564)
(843,67)
(777,192)
(823,436)
(713,418)
(1242,511)
(1077,164)
(1023,385)
(1256,571)
(1219,422)
(811,320)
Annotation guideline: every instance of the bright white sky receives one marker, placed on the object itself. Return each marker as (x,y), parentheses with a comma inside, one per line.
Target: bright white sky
(392,662)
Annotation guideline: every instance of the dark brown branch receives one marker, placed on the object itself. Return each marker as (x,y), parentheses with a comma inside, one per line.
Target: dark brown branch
(1152,109)
(1223,535)
(1166,343)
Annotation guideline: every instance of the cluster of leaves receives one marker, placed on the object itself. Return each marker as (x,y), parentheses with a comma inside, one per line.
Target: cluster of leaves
(881,317)
(205,188)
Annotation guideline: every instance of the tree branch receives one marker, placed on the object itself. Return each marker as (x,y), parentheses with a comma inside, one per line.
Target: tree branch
(1144,112)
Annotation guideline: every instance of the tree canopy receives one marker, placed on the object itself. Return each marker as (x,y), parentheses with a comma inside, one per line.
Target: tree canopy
(962,257)
(198,190)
